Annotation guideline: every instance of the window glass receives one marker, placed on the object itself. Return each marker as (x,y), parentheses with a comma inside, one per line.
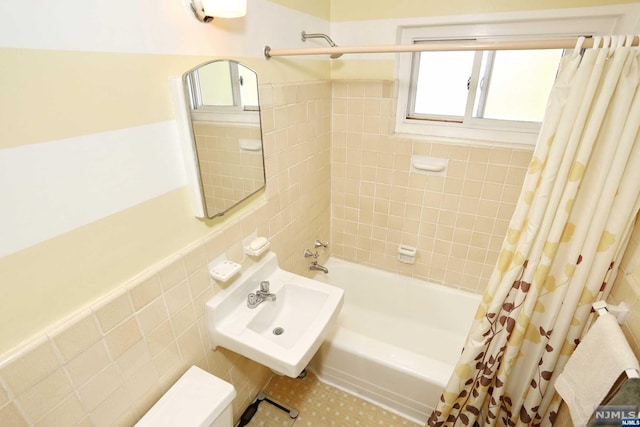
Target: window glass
(441,84)
(516,84)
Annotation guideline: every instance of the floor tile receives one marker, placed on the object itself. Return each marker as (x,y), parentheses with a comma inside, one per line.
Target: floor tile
(320,405)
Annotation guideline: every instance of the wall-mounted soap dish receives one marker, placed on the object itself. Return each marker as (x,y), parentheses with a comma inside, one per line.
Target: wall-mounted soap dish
(429,165)
(407,254)
(225,270)
(256,246)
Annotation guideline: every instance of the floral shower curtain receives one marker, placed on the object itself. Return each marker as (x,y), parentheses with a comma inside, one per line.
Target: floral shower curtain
(577,206)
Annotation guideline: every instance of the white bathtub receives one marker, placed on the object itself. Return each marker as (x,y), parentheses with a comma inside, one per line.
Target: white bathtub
(397,339)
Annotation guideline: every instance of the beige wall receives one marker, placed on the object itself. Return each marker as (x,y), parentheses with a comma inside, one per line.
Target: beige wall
(84,94)
(457,222)
(319,8)
(359,10)
(102,314)
(63,96)
(112,360)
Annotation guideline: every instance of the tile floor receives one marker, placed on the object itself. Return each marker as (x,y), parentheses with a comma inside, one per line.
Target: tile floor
(320,405)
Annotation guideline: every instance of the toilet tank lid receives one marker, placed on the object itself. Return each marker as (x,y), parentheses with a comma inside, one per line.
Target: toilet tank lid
(195,400)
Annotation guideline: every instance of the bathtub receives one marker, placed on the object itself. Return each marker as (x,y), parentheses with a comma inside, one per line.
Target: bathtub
(397,339)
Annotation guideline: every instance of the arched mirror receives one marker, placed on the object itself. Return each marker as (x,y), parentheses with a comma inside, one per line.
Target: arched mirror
(224,112)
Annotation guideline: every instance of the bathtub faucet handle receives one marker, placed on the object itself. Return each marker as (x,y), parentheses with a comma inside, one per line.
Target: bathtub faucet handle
(318,244)
(308,253)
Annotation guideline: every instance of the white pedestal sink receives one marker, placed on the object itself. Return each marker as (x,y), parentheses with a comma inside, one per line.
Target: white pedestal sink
(283,334)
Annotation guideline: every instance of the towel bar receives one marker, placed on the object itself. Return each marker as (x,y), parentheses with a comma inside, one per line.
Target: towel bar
(620,311)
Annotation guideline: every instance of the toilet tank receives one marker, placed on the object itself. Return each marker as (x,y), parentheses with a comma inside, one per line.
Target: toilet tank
(197,399)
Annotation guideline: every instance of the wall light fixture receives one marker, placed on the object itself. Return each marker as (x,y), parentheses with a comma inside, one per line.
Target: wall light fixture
(206,10)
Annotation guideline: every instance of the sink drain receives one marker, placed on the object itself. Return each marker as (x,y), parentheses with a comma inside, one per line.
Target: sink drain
(278,331)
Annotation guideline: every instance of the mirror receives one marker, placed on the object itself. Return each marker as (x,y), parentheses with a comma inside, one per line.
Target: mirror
(224,111)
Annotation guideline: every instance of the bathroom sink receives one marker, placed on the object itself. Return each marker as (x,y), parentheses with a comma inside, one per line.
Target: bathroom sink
(283,334)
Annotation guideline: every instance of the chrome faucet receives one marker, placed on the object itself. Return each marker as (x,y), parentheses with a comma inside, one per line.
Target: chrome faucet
(318,244)
(315,266)
(261,295)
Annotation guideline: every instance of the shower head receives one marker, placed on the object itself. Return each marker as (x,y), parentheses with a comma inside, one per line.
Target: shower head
(306,36)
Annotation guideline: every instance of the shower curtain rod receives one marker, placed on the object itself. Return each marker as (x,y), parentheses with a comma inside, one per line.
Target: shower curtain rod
(438,46)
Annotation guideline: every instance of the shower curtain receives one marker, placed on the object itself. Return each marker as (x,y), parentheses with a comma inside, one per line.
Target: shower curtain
(577,206)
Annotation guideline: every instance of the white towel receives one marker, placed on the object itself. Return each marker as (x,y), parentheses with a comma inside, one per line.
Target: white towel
(591,371)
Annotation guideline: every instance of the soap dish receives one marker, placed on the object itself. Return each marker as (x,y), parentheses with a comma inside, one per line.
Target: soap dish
(257,252)
(257,246)
(225,270)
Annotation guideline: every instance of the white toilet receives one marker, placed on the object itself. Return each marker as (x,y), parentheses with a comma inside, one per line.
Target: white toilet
(197,399)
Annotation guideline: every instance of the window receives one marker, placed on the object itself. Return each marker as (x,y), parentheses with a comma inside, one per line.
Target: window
(440,85)
(491,96)
(515,84)
(509,85)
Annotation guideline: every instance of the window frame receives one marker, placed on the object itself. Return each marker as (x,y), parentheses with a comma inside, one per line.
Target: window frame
(480,129)
(413,80)
(473,94)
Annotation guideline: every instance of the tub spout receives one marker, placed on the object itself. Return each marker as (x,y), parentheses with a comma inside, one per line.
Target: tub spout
(315,266)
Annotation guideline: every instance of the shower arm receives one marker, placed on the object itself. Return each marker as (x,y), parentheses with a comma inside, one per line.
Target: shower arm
(306,36)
